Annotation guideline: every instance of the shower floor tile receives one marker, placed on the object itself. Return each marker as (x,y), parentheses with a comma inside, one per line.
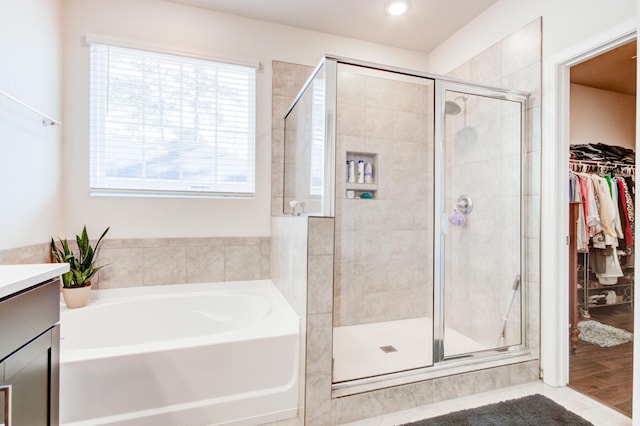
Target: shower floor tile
(368,350)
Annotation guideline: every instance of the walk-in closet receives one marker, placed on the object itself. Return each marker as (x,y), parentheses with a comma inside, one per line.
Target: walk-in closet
(602,226)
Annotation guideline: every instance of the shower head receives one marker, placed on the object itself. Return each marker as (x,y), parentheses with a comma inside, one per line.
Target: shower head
(451,108)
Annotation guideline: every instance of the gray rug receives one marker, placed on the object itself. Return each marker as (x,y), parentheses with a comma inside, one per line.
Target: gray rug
(602,335)
(531,410)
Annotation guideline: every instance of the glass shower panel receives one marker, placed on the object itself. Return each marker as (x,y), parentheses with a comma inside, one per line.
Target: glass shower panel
(304,150)
(383,278)
(482,223)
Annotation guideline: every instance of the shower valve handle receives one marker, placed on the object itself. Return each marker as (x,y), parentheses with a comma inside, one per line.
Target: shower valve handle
(464,204)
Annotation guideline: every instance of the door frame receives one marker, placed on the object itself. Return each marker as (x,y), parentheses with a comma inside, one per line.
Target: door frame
(554,255)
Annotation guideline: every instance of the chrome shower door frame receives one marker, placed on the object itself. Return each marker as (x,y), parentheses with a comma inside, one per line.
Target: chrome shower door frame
(441,219)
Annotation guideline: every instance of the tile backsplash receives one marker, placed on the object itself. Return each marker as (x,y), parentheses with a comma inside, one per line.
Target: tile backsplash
(155,261)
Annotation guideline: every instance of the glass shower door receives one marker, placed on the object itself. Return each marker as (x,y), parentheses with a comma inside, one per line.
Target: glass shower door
(480,169)
(383,276)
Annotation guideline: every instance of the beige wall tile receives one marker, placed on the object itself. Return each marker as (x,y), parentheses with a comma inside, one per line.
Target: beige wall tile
(265,258)
(321,235)
(287,78)
(164,265)
(485,68)
(409,396)
(204,264)
(318,400)
(124,267)
(360,406)
(242,263)
(319,341)
(320,284)
(522,48)
(277,146)
(37,253)
(451,387)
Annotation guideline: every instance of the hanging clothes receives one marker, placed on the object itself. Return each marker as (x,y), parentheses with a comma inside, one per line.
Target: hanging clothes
(604,227)
(624,216)
(582,238)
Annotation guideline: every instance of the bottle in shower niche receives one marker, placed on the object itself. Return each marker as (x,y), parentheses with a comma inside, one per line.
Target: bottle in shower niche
(360,178)
(352,171)
(368,173)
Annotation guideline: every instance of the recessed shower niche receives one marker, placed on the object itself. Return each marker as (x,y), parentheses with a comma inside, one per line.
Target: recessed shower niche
(440,292)
(361,175)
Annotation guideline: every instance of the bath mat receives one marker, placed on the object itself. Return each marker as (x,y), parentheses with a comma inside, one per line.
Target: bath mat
(530,410)
(602,335)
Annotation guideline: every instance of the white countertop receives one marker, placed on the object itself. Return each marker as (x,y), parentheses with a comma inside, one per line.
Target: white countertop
(15,278)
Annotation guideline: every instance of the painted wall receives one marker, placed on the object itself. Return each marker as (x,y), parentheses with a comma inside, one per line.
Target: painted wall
(29,153)
(32,71)
(564,24)
(184,28)
(602,116)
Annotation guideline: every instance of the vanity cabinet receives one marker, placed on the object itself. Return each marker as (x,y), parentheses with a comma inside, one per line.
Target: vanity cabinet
(29,355)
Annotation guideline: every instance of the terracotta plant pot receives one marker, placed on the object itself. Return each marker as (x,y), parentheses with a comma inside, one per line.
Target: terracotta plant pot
(76,297)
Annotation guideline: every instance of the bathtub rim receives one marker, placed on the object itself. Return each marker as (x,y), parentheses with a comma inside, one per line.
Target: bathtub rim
(287,323)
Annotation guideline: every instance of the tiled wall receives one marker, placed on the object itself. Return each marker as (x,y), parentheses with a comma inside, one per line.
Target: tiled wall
(155,261)
(133,262)
(514,63)
(287,80)
(37,253)
(302,268)
(289,237)
(397,398)
(304,150)
(384,246)
(482,257)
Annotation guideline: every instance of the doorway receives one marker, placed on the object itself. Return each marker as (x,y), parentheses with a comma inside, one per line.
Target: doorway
(602,111)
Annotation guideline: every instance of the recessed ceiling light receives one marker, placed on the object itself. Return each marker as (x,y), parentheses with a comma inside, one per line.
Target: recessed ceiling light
(396,8)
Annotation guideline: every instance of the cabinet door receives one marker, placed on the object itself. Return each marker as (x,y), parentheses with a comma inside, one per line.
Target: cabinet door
(27,384)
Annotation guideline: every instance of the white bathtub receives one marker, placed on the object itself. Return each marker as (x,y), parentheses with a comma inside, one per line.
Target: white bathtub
(190,354)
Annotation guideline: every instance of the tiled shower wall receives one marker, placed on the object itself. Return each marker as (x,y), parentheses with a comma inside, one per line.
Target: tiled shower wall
(384,245)
(155,261)
(483,257)
(287,80)
(514,63)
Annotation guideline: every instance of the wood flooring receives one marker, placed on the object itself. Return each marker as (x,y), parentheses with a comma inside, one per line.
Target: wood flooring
(605,374)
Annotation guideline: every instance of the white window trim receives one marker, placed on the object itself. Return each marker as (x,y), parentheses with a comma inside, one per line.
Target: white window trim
(91,38)
(228,192)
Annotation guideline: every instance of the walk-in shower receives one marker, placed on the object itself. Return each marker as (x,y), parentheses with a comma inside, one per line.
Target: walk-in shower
(428,230)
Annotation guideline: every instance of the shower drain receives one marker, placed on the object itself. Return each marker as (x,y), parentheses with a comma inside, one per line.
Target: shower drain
(388,349)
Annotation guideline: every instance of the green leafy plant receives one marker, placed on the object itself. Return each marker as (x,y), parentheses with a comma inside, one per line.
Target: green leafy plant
(81,266)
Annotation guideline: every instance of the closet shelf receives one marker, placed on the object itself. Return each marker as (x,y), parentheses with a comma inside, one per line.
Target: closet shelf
(46,120)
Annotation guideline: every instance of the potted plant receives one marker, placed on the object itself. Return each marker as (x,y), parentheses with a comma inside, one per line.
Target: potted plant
(76,284)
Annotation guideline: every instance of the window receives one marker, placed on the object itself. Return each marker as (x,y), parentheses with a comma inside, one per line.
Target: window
(171,125)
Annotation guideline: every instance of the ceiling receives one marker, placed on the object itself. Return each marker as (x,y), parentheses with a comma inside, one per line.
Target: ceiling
(427,23)
(614,70)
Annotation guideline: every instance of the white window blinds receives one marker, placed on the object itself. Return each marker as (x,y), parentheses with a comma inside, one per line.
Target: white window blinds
(170,124)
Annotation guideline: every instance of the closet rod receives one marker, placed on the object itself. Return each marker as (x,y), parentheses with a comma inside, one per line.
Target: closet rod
(46,120)
(602,163)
